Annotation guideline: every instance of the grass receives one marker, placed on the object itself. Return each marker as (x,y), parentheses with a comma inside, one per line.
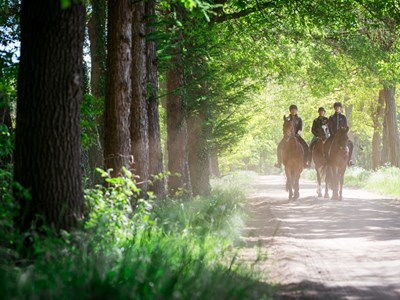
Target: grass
(161,250)
(385,180)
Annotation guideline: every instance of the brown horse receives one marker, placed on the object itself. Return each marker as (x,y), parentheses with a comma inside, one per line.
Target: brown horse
(337,159)
(319,162)
(292,158)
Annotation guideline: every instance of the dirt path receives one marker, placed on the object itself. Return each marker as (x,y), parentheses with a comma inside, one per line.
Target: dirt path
(325,249)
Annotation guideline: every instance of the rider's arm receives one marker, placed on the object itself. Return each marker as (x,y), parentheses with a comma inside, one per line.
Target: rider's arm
(345,125)
(314,128)
(331,124)
(300,128)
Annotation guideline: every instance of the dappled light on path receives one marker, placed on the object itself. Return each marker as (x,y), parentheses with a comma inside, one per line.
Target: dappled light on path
(324,249)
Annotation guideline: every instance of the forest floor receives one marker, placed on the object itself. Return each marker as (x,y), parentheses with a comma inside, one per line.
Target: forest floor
(323,249)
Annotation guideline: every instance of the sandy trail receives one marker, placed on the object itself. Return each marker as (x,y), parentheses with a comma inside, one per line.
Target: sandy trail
(325,249)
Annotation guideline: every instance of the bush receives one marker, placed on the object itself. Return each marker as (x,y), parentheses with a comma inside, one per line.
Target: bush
(133,248)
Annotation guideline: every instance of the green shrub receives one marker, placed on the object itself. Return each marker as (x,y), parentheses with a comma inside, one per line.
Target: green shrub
(133,248)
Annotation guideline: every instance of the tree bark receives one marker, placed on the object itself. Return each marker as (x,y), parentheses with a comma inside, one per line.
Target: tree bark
(47,149)
(5,119)
(155,152)
(199,158)
(118,86)
(97,38)
(353,137)
(139,118)
(179,180)
(391,132)
(377,136)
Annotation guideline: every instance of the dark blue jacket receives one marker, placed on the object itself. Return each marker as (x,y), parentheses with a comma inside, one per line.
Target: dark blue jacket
(317,125)
(336,121)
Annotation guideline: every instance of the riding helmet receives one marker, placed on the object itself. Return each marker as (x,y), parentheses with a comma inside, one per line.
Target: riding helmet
(321,109)
(337,104)
(293,107)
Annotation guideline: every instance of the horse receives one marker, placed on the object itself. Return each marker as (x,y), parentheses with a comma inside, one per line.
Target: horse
(319,162)
(337,159)
(292,158)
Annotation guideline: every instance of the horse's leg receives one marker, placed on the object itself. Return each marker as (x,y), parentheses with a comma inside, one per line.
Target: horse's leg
(296,178)
(326,171)
(319,181)
(335,184)
(341,176)
(289,183)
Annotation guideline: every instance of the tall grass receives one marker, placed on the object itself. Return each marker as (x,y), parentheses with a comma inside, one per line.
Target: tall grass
(157,250)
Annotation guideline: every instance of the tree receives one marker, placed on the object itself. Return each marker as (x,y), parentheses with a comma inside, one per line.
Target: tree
(47,150)
(176,116)
(97,37)
(139,116)
(118,86)
(155,152)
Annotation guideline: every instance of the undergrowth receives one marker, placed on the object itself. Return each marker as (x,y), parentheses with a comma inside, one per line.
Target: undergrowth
(131,248)
(385,180)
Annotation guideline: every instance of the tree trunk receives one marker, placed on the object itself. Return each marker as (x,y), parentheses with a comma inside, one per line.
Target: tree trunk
(5,119)
(118,86)
(179,180)
(199,158)
(47,149)
(377,136)
(139,119)
(353,137)
(214,164)
(391,133)
(155,152)
(97,38)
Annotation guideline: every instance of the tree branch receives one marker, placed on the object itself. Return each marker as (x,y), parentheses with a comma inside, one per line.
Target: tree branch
(242,13)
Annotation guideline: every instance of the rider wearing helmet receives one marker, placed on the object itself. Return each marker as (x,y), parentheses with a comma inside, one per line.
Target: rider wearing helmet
(317,129)
(298,127)
(336,121)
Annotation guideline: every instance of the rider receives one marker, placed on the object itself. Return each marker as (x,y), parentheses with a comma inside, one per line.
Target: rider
(298,127)
(336,121)
(316,129)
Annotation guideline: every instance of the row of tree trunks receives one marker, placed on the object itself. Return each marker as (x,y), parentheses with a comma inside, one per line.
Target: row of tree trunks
(117,146)
(139,116)
(132,107)
(391,140)
(47,148)
(176,118)
(377,136)
(352,136)
(97,38)
(155,152)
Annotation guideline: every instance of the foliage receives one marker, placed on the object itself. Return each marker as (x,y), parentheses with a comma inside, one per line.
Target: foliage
(137,248)
(91,111)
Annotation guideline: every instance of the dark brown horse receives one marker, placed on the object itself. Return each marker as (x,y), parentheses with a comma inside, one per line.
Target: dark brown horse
(337,159)
(293,158)
(319,162)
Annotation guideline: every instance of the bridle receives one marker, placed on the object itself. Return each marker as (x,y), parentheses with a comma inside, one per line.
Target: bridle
(288,135)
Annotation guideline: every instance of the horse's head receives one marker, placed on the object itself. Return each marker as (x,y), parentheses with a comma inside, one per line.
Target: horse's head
(323,133)
(288,128)
(342,138)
